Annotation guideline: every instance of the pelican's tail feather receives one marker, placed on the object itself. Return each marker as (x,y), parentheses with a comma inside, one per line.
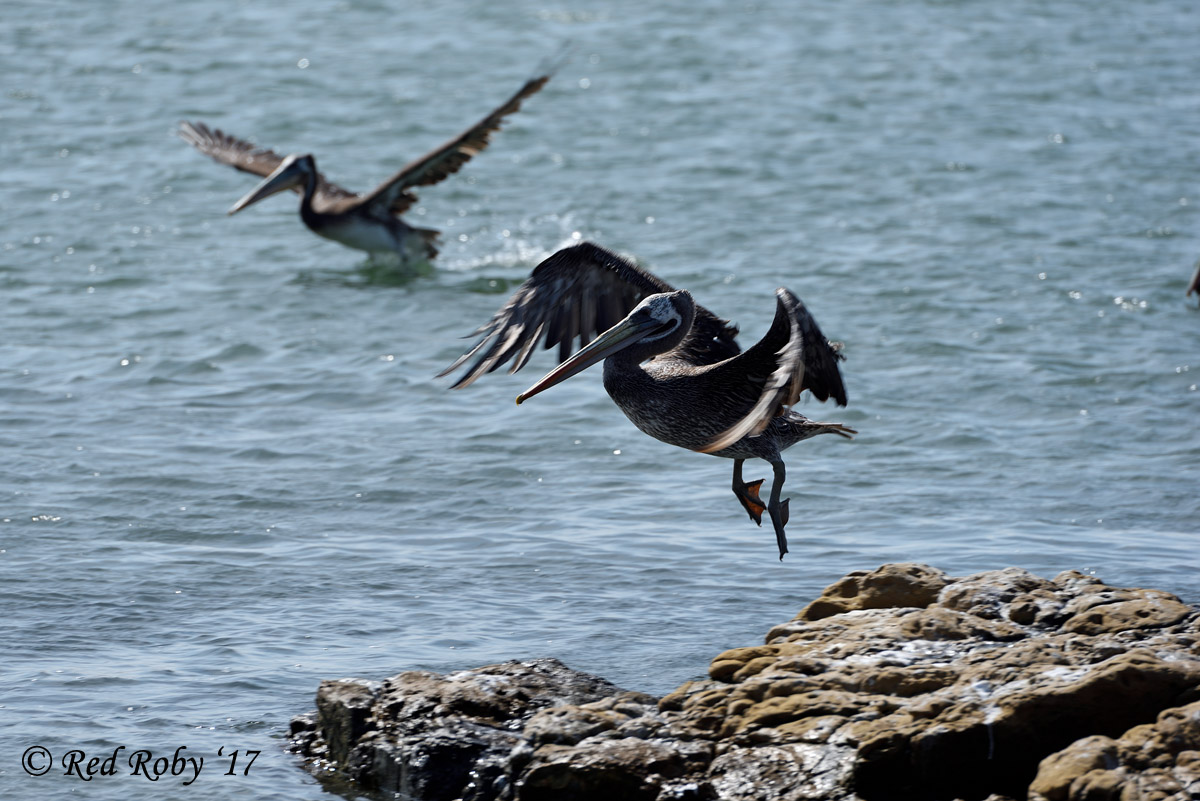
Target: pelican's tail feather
(429,238)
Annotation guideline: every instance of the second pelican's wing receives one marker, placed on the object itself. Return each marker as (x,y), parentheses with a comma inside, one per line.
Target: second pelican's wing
(227,149)
(441,162)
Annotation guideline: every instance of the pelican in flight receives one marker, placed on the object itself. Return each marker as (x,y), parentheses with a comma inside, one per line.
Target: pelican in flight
(672,366)
(369,222)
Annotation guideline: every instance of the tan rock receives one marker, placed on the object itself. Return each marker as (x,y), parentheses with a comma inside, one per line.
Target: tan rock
(1159,760)
(1060,770)
(730,662)
(896,585)
(1149,610)
(988,595)
(1099,785)
(939,623)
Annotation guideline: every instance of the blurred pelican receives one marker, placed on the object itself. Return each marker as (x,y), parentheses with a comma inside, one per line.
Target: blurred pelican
(369,222)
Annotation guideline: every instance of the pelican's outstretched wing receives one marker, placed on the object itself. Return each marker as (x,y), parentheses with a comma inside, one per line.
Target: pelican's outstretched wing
(578,292)
(792,357)
(441,162)
(241,155)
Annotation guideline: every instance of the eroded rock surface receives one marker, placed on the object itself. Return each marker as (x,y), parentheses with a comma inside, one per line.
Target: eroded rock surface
(897,683)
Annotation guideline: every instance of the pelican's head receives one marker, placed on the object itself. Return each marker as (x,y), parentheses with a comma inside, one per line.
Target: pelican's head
(663,314)
(293,171)
(657,324)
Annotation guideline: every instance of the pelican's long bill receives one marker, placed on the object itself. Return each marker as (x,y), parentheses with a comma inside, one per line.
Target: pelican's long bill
(286,175)
(625,333)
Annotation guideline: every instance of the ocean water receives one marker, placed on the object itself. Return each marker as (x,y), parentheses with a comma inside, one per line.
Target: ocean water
(229,471)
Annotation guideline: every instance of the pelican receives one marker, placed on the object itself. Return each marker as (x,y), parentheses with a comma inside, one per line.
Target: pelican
(672,366)
(369,222)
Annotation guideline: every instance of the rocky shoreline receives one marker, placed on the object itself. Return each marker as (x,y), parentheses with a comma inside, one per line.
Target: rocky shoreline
(898,683)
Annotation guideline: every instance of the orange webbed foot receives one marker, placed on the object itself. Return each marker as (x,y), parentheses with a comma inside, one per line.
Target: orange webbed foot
(747,494)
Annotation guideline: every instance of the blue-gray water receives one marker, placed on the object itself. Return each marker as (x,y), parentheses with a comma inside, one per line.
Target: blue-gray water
(228,471)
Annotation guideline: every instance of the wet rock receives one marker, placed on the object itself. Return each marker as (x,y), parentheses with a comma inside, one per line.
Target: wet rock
(430,736)
(343,714)
(795,772)
(897,683)
(611,768)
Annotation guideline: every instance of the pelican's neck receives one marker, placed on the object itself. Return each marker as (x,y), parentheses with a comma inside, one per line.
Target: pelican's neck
(310,189)
(625,377)
(307,213)
(626,381)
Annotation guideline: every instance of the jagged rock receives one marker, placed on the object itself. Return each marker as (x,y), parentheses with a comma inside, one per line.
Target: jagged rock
(897,683)
(430,736)
(1155,761)
(343,712)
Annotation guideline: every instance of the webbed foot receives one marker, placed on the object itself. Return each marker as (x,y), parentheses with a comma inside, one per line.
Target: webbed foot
(779,516)
(747,494)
